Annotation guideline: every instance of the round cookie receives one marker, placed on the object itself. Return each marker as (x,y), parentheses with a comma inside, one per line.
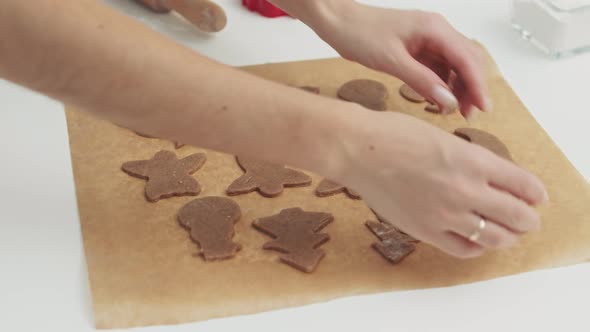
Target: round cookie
(410,94)
(368,93)
(485,140)
(432,108)
(312,89)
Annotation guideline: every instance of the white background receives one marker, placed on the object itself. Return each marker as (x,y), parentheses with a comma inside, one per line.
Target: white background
(43,283)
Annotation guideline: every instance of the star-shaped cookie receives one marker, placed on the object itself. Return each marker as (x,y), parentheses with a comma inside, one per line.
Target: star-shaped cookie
(166,175)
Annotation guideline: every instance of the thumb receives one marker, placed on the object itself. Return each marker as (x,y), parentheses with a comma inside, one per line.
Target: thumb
(426,82)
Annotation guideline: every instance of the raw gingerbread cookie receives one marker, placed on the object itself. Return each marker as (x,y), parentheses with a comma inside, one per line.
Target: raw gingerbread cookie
(433,108)
(328,188)
(210,221)
(269,179)
(143,135)
(166,175)
(177,145)
(485,140)
(295,235)
(371,94)
(390,226)
(410,94)
(394,245)
(312,89)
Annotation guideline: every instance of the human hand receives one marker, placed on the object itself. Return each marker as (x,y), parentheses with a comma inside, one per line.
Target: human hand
(420,48)
(436,186)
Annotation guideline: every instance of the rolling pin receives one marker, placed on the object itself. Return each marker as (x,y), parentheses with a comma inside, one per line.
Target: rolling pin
(204,14)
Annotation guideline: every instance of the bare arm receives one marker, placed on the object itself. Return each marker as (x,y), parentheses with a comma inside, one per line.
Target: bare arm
(84,53)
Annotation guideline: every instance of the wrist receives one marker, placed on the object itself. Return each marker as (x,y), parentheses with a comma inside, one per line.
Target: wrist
(359,145)
(329,15)
(335,138)
(320,15)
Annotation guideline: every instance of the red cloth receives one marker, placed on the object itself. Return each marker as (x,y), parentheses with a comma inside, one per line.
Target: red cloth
(263,7)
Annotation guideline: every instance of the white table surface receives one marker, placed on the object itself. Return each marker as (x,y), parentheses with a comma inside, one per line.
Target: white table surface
(43,283)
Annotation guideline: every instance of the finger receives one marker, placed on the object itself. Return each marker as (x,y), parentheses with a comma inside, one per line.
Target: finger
(506,210)
(465,103)
(425,81)
(438,65)
(505,175)
(463,56)
(456,245)
(492,236)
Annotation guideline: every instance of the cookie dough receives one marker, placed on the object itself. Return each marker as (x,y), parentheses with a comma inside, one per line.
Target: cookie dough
(312,89)
(433,108)
(485,140)
(328,188)
(393,245)
(295,235)
(269,179)
(210,221)
(368,93)
(177,145)
(143,135)
(166,175)
(410,94)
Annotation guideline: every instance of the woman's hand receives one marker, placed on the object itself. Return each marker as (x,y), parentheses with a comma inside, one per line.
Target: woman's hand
(418,47)
(436,186)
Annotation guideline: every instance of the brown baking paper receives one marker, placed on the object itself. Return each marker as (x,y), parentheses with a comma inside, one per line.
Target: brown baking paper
(142,265)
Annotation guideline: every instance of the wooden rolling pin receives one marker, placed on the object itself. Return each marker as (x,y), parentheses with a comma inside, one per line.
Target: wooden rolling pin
(204,14)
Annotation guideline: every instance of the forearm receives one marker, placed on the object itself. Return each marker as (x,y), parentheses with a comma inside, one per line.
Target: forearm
(320,15)
(83,53)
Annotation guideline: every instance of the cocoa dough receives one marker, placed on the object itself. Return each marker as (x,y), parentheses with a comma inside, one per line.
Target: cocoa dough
(143,135)
(328,188)
(433,108)
(410,94)
(177,145)
(210,221)
(295,235)
(312,89)
(269,179)
(393,245)
(166,175)
(485,140)
(368,93)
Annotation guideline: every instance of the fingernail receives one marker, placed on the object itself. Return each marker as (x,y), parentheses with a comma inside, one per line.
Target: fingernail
(545,197)
(488,105)
(471,115)
(444,97)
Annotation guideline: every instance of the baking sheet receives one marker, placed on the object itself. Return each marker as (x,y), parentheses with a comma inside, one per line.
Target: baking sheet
(142,265)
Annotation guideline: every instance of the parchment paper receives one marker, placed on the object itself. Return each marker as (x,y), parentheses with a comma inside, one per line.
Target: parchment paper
(141,263)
